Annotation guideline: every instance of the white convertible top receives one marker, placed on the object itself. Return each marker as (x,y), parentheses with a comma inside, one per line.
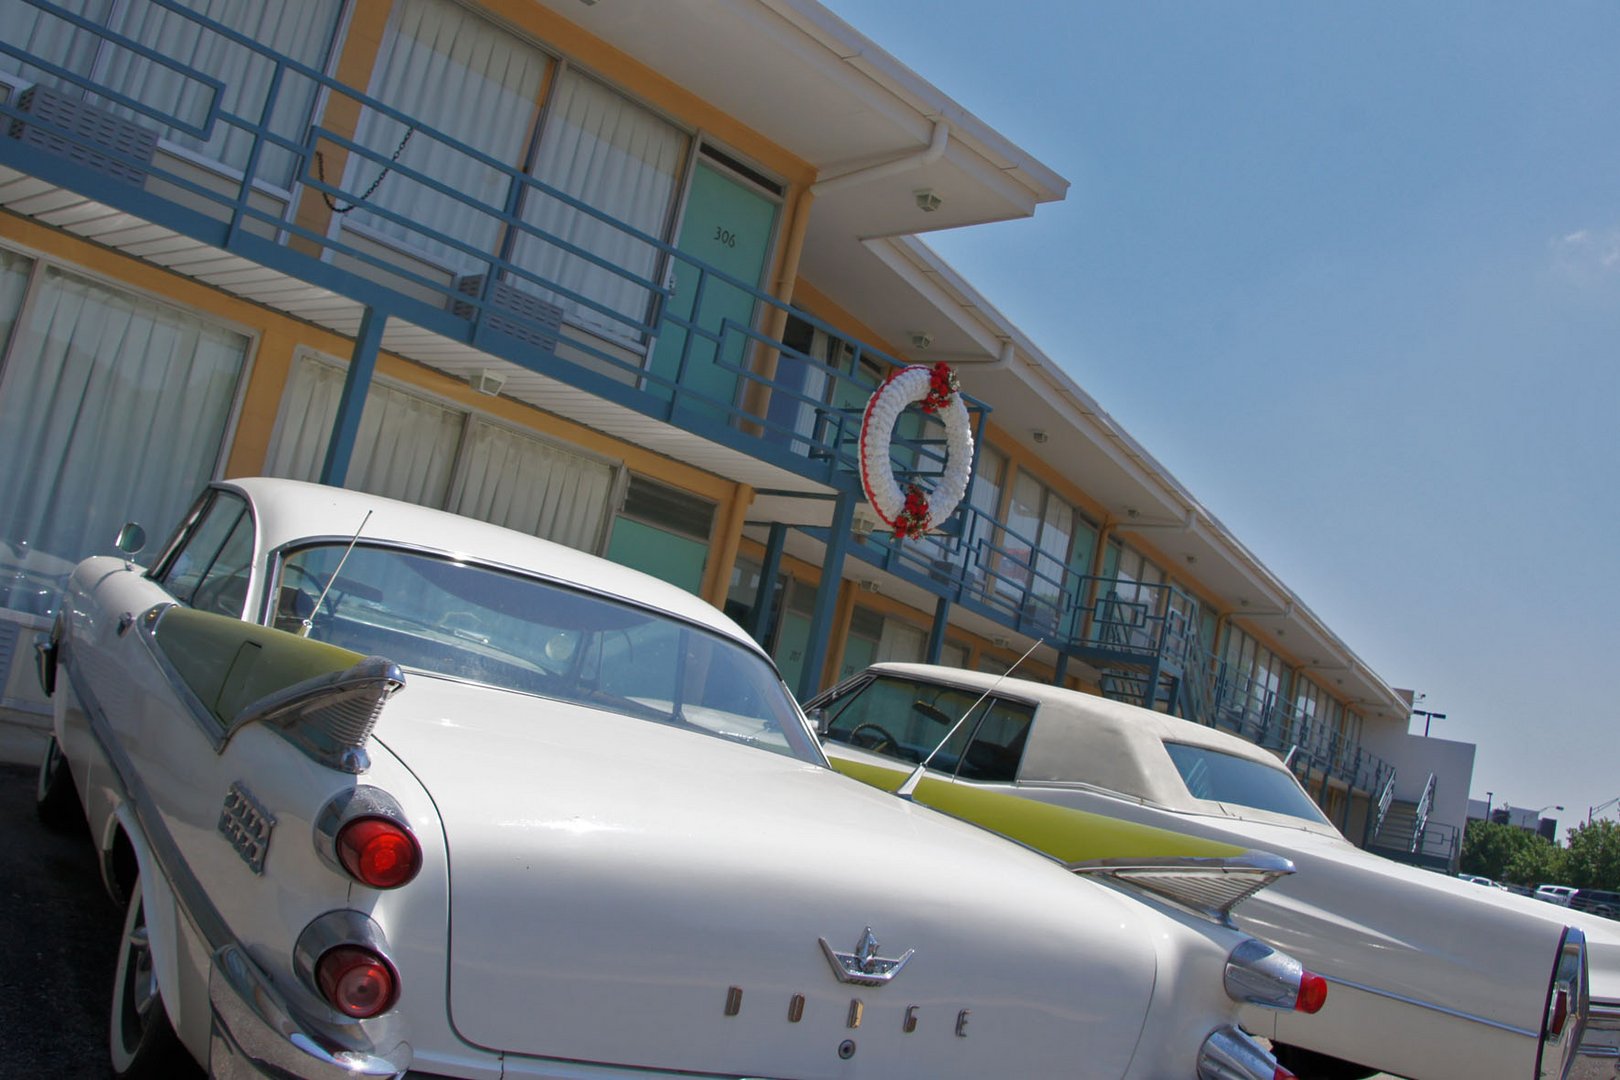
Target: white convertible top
(289,510)
(1106,743)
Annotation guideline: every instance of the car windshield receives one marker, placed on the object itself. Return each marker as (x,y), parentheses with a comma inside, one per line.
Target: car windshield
(478,623)
(1228,778)
(909,719)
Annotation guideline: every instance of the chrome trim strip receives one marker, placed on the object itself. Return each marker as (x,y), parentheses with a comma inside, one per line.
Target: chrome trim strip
(256,1034)
(188,891)
(1441,1009)
(199,713)
(1205,886)
(172,865)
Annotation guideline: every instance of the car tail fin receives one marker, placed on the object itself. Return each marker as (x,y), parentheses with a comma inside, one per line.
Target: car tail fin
(1210,887)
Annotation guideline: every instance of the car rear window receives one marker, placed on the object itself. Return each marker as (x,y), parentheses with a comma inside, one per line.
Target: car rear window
(484,624)
(1228,778)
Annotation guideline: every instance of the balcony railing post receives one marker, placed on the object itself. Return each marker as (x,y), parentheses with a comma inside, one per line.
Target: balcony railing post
(356,384)
(832,573)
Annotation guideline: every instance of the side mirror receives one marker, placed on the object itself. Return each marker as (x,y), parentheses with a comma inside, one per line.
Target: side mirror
(131,539)
(819,721)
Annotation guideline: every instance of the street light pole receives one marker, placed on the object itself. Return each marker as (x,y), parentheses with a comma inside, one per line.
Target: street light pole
(1427,716)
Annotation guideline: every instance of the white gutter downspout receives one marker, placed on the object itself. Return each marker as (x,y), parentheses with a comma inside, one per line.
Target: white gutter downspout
(927,156)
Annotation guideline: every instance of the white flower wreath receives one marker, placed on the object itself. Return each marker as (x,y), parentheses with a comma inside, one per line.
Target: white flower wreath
(914,511)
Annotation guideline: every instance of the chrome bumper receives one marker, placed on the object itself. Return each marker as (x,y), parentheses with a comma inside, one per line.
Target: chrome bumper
(1599,1055)
(255,1033)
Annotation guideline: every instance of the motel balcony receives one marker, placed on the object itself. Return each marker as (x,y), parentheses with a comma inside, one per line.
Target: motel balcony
(261,174)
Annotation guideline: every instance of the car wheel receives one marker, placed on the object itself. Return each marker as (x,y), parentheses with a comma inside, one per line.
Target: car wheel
(142,1042)
(55,801)
(1310,1065)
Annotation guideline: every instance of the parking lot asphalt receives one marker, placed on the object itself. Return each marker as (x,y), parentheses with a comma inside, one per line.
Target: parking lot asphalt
(58,936)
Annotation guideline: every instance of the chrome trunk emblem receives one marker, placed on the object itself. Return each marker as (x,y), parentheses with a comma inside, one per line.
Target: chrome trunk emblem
(864,967)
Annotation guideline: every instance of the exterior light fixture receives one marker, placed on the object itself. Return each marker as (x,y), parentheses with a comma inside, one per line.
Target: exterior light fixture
(487,381)
(927,201)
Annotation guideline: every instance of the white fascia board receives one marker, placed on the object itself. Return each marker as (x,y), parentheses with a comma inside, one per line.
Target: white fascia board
(961,310)
(864,56)
(923,269)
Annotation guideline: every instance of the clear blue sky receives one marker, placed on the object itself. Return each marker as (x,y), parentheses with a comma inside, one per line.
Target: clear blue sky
(1351,271)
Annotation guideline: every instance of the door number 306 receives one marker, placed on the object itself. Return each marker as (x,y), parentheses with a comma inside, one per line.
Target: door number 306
(725,236)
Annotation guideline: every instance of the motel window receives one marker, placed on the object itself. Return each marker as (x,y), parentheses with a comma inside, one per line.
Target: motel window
(421,450)
(460,77)
(110,403)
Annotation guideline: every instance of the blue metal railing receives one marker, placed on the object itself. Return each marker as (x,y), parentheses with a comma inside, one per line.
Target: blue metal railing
(814,440)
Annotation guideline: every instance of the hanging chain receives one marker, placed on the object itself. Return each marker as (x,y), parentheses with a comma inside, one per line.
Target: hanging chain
(320,171)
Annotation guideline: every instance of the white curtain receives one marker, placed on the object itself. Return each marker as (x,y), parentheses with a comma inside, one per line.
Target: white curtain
(44,35)
(14,271)
(474,82)
(609,153)
(300,29)
(113,406)
(901,641)
(405,448)
(409,447)
(523,483)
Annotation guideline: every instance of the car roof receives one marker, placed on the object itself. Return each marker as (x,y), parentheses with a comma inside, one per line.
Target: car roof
(290,510)
(1120,745)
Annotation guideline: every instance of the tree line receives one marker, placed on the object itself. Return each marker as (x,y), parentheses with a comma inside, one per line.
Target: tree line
(1515,856)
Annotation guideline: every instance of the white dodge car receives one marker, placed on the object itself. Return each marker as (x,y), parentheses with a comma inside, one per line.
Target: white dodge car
(1432,978)
(391,792)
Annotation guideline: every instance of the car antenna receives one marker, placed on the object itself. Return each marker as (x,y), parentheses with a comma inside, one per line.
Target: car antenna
(307,624)
(907,789)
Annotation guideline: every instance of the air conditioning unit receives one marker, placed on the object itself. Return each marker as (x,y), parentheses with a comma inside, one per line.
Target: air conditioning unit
(538,322)
(90,136)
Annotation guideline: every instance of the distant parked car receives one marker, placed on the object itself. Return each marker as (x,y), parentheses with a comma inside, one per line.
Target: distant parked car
(1555,894)
(1431,977)
(384,789)
(1597,901)
(1478,879)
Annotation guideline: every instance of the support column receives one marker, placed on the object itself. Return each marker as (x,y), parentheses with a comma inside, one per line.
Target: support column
(936,632)
(761,617)
(832,576)
(346,424)
(1060,672)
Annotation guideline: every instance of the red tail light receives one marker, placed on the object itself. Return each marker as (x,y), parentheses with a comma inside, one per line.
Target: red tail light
(1283,1074)
(378,852)
(1312,993)
(356,981)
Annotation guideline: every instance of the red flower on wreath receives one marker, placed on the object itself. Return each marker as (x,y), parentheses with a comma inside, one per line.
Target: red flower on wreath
(942,383)
(912,520)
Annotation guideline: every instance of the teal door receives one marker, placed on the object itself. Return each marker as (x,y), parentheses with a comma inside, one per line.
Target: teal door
(727,226)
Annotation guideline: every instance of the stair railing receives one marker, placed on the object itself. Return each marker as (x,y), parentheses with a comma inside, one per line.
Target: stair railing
(1420,818)
(1386,796)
